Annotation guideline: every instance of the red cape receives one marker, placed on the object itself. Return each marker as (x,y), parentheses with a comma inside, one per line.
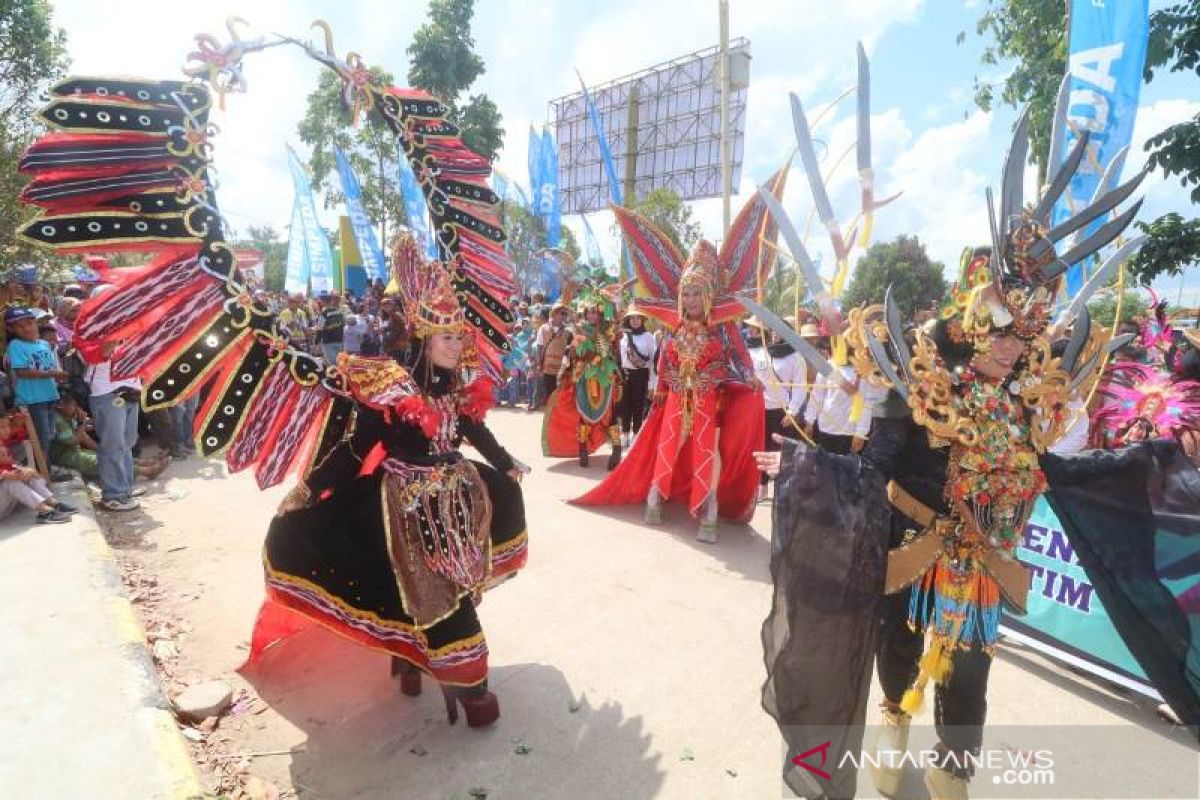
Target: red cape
(741,433)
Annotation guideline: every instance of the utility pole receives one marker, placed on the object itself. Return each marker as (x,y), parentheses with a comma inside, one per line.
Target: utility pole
(726,141)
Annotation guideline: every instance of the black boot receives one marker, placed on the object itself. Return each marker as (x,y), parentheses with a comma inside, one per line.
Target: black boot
(615,458)
(583,454)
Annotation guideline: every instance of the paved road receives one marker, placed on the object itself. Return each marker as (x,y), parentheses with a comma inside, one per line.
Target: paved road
(627,659)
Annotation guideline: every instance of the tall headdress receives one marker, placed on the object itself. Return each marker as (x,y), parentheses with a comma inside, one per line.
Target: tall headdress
(430,303)
(701,273)
(1012,283)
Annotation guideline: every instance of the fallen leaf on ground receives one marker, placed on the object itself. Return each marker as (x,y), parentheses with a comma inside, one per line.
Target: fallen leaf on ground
(731,773)
(417,750)
(479,793)
(522,749)
(687,755)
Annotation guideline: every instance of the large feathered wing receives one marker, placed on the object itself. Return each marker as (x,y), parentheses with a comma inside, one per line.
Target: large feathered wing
(125,167)
(657,262)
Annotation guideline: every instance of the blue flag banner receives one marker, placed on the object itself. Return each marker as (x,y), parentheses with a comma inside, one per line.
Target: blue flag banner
(364,234)
(591,244)
(1064,615)
(295,280)
(316,244)
(550,206)
(414,205)
(509,190)
(1107,56)
(610,169)
(535,170)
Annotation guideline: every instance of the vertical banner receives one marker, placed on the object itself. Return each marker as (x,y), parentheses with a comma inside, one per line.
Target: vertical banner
(610,169)
(295,280)
(414,205)
(354,275)
(364,234)
(535,170)
(551,208)
(591,244)
(320,258)
(1107,55)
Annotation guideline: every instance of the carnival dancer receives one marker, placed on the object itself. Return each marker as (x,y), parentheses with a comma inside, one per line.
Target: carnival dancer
(581,412)
(638,350)
(707,414)
(947,482)
(391,535)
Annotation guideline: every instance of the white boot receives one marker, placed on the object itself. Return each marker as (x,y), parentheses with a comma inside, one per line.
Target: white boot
(707,532)
(891,743)
(944,786)
(653,508)
(625,440)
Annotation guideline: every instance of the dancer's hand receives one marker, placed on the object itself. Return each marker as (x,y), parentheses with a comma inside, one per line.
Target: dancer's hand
(767,462)
(515,475)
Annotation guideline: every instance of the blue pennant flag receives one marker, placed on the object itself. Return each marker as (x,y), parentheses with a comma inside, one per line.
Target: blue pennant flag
(316,243)
(610,169)
(1107,56)
(550,205)
(364,234)
(591,244)
(535,171)
(414,205)
(295,280)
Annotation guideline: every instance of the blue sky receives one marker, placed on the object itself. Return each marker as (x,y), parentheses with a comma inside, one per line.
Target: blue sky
(930,140)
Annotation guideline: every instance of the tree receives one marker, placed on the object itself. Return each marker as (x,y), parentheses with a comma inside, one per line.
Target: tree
(526,236)
(1032,33)
(32,54)
(371,149)
(670,215)
(443,63)
(903,264)
(265,239)
(1174,242)
(1103,308)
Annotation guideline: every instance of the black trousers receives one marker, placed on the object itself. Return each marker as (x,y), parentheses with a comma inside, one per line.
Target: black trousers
(774,425)
(834,443)
(549,384)
(632,409)
(960,704)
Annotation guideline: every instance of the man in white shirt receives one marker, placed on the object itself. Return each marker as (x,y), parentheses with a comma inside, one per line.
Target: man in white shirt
(830,407)
(114,406)
(784,378)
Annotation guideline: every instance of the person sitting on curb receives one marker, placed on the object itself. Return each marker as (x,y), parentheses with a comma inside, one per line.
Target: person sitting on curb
(23,486)
(74,448)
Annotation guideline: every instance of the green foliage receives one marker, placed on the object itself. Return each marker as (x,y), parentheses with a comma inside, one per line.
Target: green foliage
(32,54)
(670,215)
(274,251)
(1103,307)
(371,149)
(917,282)
(442,61)
(526,236)
(783,286)
(1174,244)
(1031,33)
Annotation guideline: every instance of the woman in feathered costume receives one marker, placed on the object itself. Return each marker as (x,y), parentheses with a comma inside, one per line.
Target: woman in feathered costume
(1140,401)
(707,415)
(391,536)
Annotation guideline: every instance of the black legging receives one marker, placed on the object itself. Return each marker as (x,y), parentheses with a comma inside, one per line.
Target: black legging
(632,409)
(549,384)
(774,425)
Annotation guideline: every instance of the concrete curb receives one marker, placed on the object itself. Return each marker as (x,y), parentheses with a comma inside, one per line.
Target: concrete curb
(179,776)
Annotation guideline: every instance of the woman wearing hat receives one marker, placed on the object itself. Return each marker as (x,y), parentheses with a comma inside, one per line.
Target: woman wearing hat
(638,349)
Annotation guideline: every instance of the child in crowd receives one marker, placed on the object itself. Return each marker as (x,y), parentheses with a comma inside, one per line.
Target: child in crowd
(21,485)
(73,447)
(35,371)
